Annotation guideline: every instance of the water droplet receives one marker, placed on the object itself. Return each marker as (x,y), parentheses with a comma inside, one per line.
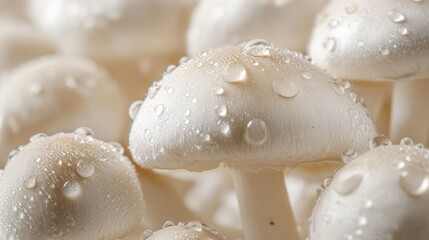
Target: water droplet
(368,203)
(84,131)
(200,64)
(30,183)
(72,189)
(183,60)
(406,141)
(396,16)
(256,131)
(306,75)
(85,168)
(360,43)
(234,72)
(205,137)
(219,90)
(37,137)
(384,51)
(12,154)
(158,110)
(169,70)
(187,112)
(38,159)
(134,109)
(285,88)
(168,224)
(347,185)
(146,234)
(414,180)
(339,87)
(21,215)
(168,90)
(257,48)
(333,23)
(349,155)
(352,8)
(224,127)
(362,221)
(403,31)
(153,90)
(329,44)
(221,110)
(117,147)
(194,226)
(379,140)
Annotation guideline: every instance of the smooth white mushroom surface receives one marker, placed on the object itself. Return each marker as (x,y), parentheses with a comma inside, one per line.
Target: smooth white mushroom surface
(69,186)
(248,106)
(113,29)
(382,194)
(286,23)
(373,40)
(53,94)
(20,43)
(183,231)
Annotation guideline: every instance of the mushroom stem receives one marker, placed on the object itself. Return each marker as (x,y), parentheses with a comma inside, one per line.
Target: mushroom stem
(376,96)
(410,117)
(264,205)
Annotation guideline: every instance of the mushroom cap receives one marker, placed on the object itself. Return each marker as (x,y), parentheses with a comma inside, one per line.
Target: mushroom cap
(19,43)
(381,194)
(286,23)
(372,40)
(113,29)
(252,106)
(69,186)
(183,231)
(53,94)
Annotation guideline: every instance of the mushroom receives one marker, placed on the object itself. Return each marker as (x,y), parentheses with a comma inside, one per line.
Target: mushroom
(183,231)
(381,194)
(69,186)
(134,40)
(223,118)
(380,41)
(286,23)
(55,93)
(20,43)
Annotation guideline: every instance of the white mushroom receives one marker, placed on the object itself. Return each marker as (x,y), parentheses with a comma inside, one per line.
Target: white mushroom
(134,40)
(375,41)
(53,94)
(257,109)
(183,231)
(286,23)
(382,194)
(18,44)
(69,186)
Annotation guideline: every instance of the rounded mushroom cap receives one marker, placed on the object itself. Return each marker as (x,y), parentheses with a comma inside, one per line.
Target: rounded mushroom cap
(251,106)
(183,231)
(69,186)
(381,194)
(114,29)
(53,94)
(373,40)
(216,23)
(20,43)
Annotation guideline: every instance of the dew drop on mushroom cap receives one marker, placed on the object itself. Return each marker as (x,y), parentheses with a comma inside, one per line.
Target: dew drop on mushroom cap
(69,186)
(55,93)
(381,194)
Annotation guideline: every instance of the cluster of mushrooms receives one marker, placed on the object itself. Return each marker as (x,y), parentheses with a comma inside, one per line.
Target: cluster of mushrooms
(214,119)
